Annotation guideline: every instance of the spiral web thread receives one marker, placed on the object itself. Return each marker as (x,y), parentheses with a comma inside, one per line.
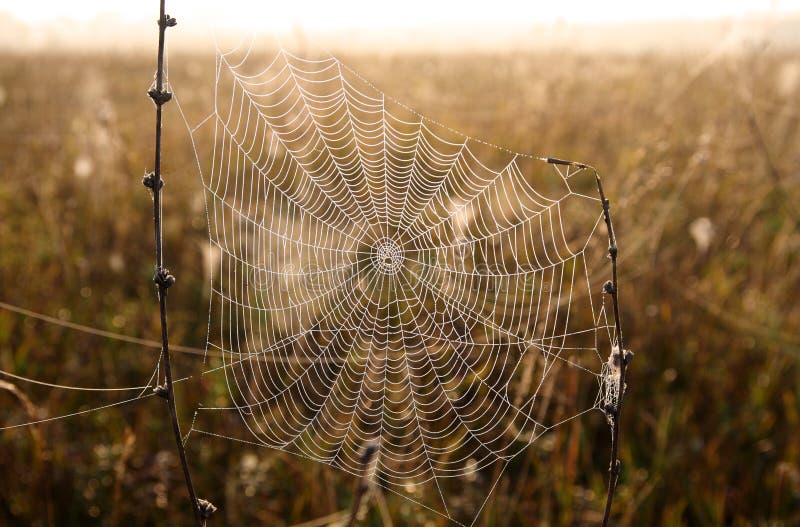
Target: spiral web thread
(379,278)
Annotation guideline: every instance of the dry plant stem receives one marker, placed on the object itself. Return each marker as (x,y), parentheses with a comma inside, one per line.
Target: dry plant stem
(361,489)
(362,484)
(41,468)
(614,413)
(612,289)
(162,278)
(386,518)
(119,473)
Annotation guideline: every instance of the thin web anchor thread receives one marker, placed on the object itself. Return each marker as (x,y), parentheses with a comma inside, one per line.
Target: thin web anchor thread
(412,278)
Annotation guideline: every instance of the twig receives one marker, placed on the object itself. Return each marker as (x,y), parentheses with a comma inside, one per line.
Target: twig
(41,459)
(620,360)
(619,356)
(163,279)
(383,509)
(362,485)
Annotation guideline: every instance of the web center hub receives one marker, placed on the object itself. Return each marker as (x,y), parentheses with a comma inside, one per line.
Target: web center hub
(387,256)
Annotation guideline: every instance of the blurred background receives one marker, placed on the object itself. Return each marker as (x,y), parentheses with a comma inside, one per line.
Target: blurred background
(688,109)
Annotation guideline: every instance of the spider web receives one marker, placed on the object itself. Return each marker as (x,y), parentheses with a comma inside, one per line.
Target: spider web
(380,278)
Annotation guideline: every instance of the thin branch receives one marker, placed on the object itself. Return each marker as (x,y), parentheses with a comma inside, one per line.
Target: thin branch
(42,462)
(383,508)
(362,484)
(619,356)
(163,279)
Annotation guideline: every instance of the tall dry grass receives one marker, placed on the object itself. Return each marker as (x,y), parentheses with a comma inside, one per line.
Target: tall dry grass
(701,164)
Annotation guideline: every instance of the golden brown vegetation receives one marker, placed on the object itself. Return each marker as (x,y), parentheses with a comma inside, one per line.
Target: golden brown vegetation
(701,159)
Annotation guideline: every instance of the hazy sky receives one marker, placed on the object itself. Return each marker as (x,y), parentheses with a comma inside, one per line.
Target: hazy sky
(376,14)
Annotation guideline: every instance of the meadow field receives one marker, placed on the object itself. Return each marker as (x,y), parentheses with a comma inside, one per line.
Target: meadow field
(700,155)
